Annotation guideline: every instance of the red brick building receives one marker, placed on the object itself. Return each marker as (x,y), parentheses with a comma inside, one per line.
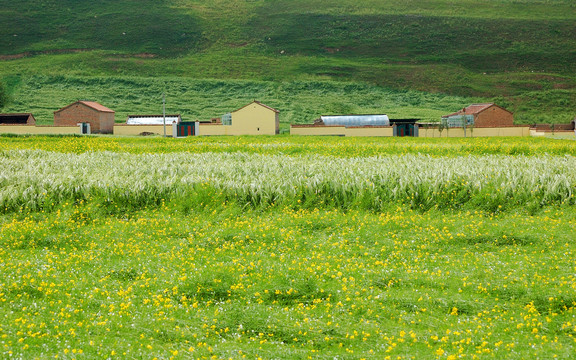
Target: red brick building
(100,118)
(487,115)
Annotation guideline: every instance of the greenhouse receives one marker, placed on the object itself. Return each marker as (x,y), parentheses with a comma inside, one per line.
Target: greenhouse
(152,119)
(356,120)
(458,121)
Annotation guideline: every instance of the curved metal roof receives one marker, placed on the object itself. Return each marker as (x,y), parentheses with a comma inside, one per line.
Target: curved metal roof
(356,120)
(152,119)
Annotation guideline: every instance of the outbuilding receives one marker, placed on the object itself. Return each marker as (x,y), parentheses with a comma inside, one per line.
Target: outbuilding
(168,125)
(98,118)
(252,119)
(487,115)
(17,119)
(348,125)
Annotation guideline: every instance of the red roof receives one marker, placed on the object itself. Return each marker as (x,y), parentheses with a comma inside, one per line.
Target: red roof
(259,103)
(91,104)
(474,109)
(96,106)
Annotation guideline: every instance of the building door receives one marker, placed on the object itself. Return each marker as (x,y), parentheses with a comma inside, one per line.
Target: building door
(186,129)
(85,128)
(405,129)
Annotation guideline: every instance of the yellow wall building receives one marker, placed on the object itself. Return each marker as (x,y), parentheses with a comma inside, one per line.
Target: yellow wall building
(252,119)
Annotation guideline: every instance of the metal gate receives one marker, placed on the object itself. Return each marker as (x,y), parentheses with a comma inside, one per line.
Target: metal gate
(186,129)
(404,130)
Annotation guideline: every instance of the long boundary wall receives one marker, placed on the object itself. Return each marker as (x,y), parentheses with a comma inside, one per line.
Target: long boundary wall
(341,130)
(132,130)
(476,132)
(214,130)
(39,130)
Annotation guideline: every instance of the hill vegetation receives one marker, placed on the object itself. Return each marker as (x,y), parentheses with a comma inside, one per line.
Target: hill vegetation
(518,53)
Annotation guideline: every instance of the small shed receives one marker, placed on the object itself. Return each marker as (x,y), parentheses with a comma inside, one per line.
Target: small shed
(252,119)
(100,118)
(256,119)
(17,119)
(487,115)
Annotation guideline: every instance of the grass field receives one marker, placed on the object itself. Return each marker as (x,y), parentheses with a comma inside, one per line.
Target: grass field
(287,247)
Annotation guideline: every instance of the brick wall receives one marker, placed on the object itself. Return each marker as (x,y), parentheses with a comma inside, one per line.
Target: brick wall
(494,117)
(100,122)
(553,127)
(563,127)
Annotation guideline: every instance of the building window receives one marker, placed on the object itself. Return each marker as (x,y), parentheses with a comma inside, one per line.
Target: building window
(227,119)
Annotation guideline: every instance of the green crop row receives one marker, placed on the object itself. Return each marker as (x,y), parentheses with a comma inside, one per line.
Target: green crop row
(41,180)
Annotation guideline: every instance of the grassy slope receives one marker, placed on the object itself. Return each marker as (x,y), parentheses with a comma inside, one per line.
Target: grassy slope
(518,53)
(298,101)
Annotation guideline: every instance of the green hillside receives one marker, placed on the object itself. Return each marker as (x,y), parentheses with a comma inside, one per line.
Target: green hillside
(519,53)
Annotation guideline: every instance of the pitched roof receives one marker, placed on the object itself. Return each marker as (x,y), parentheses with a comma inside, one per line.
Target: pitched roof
(96,106)
(16,118)
(91,104)
(259,103)
(474,109)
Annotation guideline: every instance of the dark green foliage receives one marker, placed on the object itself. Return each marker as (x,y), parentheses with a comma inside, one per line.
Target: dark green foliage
(479,44)
(3,95)
(133,26)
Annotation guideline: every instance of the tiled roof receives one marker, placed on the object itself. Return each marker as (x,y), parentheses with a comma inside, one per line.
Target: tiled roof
(476,108)
(94,105)
(91,104)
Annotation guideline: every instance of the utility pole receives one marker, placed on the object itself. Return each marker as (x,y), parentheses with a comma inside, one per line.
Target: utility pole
(164,112)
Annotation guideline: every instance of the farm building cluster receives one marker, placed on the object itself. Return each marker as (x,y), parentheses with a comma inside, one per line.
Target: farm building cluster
(256,118)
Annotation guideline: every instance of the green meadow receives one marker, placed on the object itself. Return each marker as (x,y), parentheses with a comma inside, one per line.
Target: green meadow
(287,247)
